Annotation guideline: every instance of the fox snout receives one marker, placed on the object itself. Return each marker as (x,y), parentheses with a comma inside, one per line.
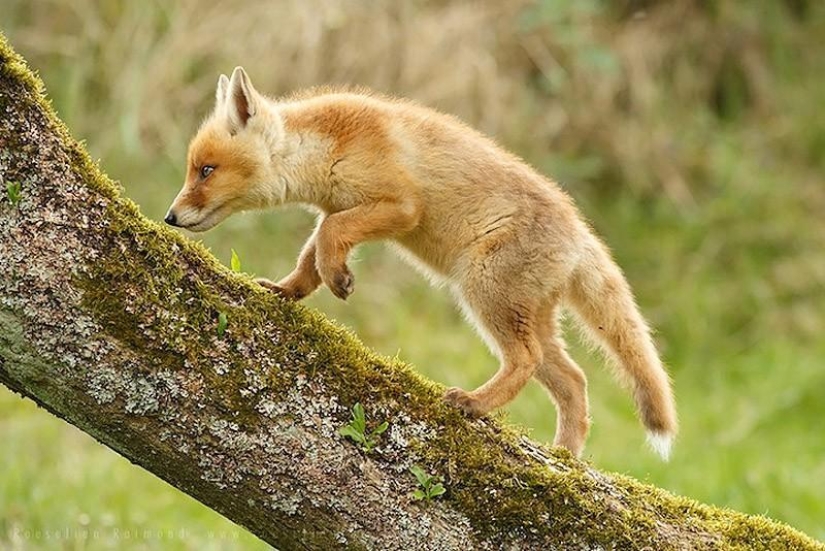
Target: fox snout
(171,218)
(183,213)
(194,209)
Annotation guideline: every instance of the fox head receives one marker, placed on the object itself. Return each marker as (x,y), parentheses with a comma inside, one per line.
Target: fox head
(229,167)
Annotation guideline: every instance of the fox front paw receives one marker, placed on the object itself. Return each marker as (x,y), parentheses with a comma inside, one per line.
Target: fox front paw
(341,282)
(464,401)
(280,289)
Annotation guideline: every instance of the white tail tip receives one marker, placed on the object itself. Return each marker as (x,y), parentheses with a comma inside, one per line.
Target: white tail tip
(661,442)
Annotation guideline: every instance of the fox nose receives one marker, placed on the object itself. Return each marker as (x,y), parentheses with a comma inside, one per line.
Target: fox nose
(171,219)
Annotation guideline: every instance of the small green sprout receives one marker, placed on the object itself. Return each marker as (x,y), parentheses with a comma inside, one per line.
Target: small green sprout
(356,430)
(235,262)
(222,323)
(429,486)
(13,192)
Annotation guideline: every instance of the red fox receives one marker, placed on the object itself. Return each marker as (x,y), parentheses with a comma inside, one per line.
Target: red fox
(507,241)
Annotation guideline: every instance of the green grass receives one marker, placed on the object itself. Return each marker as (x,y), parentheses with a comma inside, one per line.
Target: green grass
(62,490)
(731,275)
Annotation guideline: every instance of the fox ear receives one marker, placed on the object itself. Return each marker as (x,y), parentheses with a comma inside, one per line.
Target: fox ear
(222,90)
(242,100)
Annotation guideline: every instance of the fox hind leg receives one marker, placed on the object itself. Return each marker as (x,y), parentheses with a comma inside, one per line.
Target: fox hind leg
(567,385)
(510,325)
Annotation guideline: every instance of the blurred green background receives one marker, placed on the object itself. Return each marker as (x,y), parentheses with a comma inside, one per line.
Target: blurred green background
(691,133)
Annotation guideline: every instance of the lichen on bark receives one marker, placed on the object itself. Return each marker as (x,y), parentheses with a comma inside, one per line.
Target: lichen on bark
(110,320)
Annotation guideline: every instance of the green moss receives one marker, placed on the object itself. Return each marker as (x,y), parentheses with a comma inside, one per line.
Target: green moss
(148,270)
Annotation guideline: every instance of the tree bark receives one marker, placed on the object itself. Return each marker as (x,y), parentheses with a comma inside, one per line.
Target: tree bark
(113,323)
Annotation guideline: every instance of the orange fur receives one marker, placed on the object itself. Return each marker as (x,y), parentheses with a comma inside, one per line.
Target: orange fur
(508,242)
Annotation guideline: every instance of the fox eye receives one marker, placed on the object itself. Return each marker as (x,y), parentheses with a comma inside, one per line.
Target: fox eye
(206,170)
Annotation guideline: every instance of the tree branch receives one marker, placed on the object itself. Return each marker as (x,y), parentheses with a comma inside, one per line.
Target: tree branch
(110,321)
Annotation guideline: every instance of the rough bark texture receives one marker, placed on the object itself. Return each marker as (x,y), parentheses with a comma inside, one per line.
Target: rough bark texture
(110,321)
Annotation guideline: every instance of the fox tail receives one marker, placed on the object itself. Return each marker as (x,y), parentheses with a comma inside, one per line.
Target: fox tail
(601,296)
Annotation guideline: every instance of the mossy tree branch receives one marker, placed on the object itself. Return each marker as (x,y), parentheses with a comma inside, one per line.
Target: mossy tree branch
(109,321)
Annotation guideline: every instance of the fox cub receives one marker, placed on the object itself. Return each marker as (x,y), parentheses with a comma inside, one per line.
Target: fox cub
(507,241)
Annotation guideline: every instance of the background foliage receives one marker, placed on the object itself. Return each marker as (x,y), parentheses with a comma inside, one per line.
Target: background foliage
(691,134)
